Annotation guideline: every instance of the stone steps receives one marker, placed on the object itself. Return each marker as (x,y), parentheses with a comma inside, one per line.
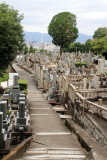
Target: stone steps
(54,154)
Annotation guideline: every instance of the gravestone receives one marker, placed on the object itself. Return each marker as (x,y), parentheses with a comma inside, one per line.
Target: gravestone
(101,66)
(46,74)
(1,121)
(3,134)
(84,83)
(22,109)
(21,121)
(15,91)
(3,108)
(54,79)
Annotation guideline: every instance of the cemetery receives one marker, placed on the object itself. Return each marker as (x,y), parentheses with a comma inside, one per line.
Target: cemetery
(53,85)
(14,117)
(74,86)
(75,82)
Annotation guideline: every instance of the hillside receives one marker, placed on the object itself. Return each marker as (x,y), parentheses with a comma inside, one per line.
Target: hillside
(37,36)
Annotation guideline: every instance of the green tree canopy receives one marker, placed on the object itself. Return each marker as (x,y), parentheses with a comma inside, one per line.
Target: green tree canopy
(74,47)
(31,50)
(100,41)
(25,50)
(100,33)
(88,45)
(105,47)
(62,29)
(11,35)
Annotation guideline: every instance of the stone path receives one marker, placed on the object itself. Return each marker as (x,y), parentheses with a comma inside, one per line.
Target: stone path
(51,139)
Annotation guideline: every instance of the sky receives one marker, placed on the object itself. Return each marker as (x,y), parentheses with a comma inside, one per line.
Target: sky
(90,14)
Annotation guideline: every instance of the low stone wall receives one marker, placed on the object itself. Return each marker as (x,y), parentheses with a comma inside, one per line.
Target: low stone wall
(18,151)
(95,150)
(86,122)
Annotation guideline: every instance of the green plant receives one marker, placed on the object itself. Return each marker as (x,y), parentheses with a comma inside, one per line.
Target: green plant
(63,30)
(4,77)
(80,64)
(23,84)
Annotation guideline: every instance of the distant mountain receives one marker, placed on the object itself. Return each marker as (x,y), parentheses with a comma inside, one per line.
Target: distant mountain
(37,36)
(82,38)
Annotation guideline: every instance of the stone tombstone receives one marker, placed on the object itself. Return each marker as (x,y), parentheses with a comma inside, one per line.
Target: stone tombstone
(60,63)
(67,71)
(54,79)
(3,108)
(71,70)
(73,64)
(66,60)
(87,60)
(92,83)
(47,75)
(98,84)
(90,57)
(15,80)
(82,59)
(105,63)
(100,102)
(1,121)
(101,66)
(89,86)
(84,83)
(6,97)
(91,71)
(21,109)
(95,82)
(46,60)
(83,68)
(104,83)
(79,73)
(76,71)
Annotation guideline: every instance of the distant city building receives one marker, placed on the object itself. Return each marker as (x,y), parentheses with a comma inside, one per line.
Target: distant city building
(50,47)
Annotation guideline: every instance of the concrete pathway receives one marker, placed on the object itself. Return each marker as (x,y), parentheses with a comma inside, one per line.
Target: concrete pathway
(51,139)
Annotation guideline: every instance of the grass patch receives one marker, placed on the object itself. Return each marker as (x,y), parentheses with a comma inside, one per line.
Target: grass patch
(23,84)
(22,81)
(4,77)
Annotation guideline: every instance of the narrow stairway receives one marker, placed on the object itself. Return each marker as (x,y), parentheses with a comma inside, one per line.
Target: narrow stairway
(51,139)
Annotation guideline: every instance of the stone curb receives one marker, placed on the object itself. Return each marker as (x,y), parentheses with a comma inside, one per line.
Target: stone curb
(96,151)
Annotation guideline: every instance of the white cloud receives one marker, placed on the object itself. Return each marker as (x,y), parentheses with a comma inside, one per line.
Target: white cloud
(93,16)
(35,28)
(90,14)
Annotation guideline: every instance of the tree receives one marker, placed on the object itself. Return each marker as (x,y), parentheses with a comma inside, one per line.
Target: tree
(100,33)
(98,46)
(63,29)
(100,42)
(74,47)
(105,47)
(78,46)
(88,45)
(11,35)
(26,50)
(31,50)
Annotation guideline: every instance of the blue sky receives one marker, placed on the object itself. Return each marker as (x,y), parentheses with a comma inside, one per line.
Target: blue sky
(90,14)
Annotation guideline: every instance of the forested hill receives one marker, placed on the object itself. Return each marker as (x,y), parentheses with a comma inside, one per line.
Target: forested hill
(37,36)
